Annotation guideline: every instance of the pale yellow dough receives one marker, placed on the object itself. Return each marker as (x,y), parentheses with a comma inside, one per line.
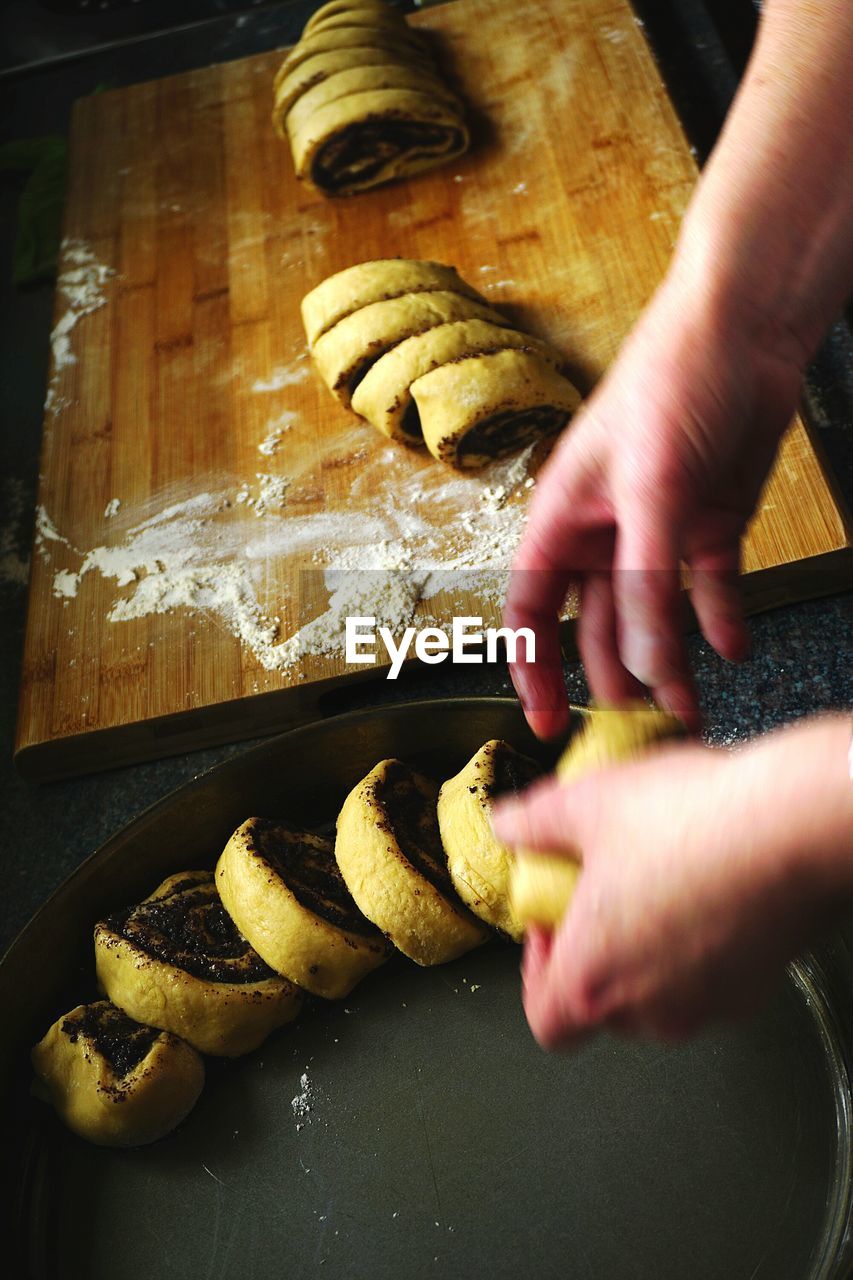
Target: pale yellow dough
(147,977)
(484,406)
(344,354)
(80,1071)
(350,290)
(542,884)
(389,851)
(363,79)
(479,864)
(384,397)
(283,890)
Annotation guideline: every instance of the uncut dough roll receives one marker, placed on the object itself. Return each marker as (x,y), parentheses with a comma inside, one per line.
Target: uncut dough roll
(284,891)
(366,139)
(542,884)
(479,864)
(347,291)
(344,354)
(383,396)
(390,854)
(114,1082)
(292,82)
(483,407)
(178,962)
(363,79)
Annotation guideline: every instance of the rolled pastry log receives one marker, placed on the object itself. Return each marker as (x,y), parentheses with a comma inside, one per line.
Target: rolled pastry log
(349,290)
(482,407)
(292,81)
(541,884)
(356,11)
(345,353)
(369,138)
(284,891)
(383,396)
(402,40)
(390,854)
(113,1081)
(479,864)
(363,79)
(178,962)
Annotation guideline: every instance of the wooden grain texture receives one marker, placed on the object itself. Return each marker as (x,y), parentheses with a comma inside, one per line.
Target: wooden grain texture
(565,210)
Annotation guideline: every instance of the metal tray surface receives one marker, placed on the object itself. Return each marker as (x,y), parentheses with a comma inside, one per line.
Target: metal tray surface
(440,1140)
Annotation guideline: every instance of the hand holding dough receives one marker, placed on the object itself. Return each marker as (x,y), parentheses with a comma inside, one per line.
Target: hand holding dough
(541,884)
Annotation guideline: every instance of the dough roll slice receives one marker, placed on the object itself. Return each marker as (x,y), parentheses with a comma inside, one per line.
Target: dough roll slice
(357,11)
(347,291)
(479,864)
(482,407)
(366,139)
(284,891)
(292,83)
(363,79)
(402,40)
(384,397)
(344,354)
(542,884)
(113,1081)
(178,962)
(390,854)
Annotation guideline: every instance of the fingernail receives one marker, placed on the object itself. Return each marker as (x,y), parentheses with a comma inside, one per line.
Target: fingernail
(643,655)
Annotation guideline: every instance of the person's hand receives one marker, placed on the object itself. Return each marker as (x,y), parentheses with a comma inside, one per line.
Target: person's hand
(703,871)
(664,464)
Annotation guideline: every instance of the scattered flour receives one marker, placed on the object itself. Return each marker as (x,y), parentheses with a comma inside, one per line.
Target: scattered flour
(275,430)
(285,375)
(303,1102)
(82,282)
(433,531)
(112,507)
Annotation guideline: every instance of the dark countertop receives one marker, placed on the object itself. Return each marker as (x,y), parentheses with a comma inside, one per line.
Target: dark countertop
(801,655)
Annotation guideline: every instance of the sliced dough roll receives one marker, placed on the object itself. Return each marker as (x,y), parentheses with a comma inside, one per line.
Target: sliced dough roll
(389,851)
(370,138)
(358,10)
(344,354)
(483,407)
(284,891)
(362,79)
(292,83)
(383,396)
(479,864)
(542,884)
(115,1082)
(177,961)
(401,39)
(375,19)
(347,291)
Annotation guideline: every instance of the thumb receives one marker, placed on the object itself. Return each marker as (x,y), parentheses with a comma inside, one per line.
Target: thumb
(546,816)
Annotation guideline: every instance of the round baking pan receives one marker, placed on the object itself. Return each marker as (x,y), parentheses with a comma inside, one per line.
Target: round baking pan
(416,1129)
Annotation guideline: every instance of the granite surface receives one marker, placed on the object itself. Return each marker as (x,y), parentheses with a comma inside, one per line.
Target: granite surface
(800,661)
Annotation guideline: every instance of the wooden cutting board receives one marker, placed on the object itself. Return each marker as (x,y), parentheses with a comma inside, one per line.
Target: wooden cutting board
(565,212)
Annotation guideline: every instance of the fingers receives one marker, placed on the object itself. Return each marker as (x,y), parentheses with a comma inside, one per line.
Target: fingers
(596,639)
(534,600)
(648,603)
(562,541)
(547,816)
(718,603)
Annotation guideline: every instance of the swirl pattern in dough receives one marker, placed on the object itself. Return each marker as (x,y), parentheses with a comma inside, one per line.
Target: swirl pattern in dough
(115,1082)
(178,961)
(414,350)
(390,854)
(284,891)
(361,102)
